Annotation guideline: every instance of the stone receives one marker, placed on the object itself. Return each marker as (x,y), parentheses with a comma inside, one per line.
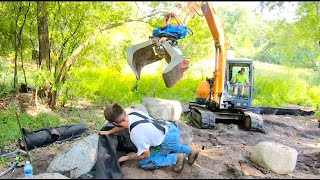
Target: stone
(186,134)
(77,160)
(162,108)
(139,107)
(50,176)
(275,157)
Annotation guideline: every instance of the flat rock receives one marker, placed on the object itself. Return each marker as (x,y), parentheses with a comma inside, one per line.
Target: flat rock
(77,160)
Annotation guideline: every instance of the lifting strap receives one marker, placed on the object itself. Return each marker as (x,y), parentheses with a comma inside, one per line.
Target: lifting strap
(147,120)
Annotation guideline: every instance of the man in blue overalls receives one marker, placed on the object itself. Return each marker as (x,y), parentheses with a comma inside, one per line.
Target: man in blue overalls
(157,141)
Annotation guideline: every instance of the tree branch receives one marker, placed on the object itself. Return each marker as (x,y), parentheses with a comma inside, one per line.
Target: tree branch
(78,50)
(24,21)
(130,20)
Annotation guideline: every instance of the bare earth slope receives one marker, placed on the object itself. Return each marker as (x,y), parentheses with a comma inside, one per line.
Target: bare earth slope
(225,152)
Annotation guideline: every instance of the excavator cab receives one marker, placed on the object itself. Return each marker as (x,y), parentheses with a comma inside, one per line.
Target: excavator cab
(232,90)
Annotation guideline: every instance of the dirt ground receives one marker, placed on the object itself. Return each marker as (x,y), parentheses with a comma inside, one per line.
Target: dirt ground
(225,152)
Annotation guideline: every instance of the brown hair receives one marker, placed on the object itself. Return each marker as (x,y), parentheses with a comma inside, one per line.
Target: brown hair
(114,113)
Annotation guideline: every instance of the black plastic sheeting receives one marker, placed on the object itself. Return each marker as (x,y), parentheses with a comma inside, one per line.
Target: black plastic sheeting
(45,136)
(286,111)
(110,149)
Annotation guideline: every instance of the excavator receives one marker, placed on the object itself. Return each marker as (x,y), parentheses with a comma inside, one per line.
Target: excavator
(215,102)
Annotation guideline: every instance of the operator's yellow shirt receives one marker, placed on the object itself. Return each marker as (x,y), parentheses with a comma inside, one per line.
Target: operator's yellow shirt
(240,78)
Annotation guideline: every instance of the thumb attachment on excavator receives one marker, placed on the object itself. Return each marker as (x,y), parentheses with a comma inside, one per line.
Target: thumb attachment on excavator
(148,52)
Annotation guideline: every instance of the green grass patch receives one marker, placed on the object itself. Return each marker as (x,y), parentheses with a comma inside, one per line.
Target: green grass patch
(107,86)
(275,86)
(9,128)
(278,86)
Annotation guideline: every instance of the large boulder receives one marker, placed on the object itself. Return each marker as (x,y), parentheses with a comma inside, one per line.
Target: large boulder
(275,157)
(139,107)
(50,176)
(77,160)
(162,108)
(186,135)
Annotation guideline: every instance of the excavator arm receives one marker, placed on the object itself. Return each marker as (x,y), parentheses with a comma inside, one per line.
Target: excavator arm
(163,44)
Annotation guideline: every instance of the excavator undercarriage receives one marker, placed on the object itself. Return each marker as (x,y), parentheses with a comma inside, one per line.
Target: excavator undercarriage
(205,118)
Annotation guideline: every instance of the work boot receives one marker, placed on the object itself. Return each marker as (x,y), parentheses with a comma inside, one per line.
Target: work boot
(193,156)
(180,163)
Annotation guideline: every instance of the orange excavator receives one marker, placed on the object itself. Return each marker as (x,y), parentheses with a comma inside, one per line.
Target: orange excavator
(215,102)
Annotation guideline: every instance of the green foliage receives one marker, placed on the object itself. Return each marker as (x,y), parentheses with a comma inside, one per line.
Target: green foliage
(244,31)
(200,45)
(9,128)
(5,90)
(108,86)
(318,114)
(294,43)
(3,160)
(275,86)
(280,85)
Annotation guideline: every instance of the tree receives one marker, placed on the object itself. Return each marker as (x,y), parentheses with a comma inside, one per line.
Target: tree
(43,33)
(295,43)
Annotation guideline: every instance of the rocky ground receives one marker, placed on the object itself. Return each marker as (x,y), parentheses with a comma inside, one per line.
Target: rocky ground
(225,152)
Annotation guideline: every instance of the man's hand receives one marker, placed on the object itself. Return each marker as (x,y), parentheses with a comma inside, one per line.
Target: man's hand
(123,158)
(134,156)
(112,131)
(104,133)
(127,157)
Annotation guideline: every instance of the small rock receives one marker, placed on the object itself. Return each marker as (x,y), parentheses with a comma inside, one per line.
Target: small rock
(275,157)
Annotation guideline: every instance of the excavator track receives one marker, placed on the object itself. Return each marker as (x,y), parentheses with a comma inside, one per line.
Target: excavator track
(206,119)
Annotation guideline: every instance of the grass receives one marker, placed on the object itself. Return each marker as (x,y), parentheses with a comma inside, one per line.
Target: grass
(106,86)
(279,85)
(275,86)
(10,129)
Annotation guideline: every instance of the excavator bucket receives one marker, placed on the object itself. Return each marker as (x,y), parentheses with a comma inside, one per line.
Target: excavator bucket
(148,52)
(140,55)
(177,65)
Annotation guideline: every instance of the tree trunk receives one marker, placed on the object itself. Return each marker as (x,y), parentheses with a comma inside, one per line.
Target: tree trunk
(43,33)
(16,84)
(20,43)
(16,47)
(53,99)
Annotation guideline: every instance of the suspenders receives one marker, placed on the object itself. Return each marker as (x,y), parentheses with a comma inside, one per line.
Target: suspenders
(147,120)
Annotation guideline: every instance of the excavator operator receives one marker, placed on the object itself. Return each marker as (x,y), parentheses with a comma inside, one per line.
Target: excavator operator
(240,80)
